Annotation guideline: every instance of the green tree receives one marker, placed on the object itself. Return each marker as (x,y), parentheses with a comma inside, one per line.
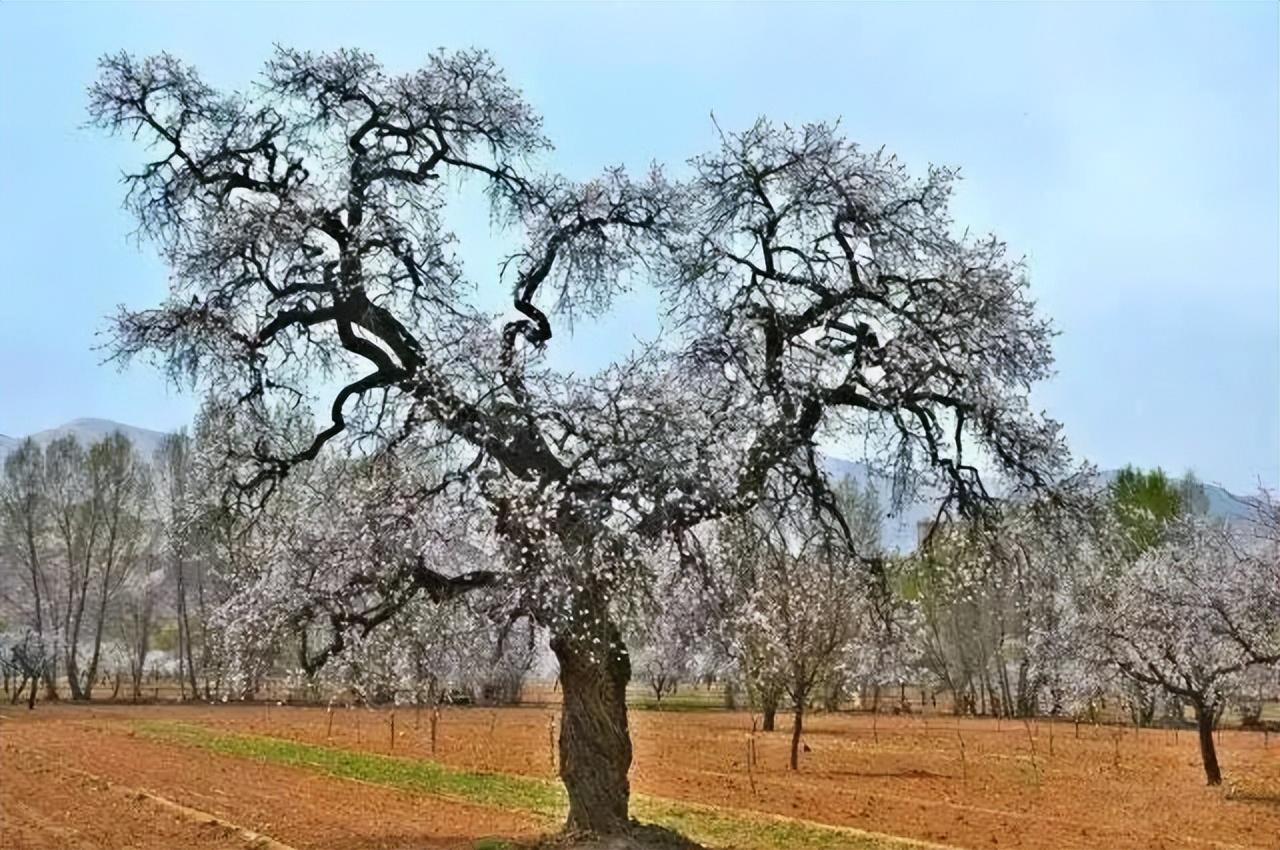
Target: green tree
(1143,504)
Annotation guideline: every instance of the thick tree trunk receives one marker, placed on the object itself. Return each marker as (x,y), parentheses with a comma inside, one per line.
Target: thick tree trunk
(595,746)
(1208,752)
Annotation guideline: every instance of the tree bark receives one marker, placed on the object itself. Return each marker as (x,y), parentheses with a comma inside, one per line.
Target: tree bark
(831,699)
(595,745)
(73,673)
(769,708)
(1208,752)
(797,727)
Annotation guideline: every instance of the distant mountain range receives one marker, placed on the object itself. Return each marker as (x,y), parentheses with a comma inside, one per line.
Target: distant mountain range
(89,431)
(899,528)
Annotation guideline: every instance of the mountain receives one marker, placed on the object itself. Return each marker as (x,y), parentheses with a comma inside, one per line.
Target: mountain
(899,529)
(89,431)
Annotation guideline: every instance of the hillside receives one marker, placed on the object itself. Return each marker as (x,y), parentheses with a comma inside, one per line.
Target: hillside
(88,431)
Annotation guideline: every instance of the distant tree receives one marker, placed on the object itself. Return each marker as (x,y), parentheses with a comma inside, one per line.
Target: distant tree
(177,513)
(137,618)
(1190,617)
(24,661)
(1193,499)
(861,509)
(119,498)
(664,655)
(993,605)
(790,602)
(1144,503)
(25,524)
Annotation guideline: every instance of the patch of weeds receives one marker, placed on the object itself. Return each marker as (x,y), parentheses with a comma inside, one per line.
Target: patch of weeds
(501,791)
(735,828)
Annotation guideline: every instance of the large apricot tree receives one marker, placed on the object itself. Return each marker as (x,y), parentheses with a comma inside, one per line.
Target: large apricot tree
(810,290)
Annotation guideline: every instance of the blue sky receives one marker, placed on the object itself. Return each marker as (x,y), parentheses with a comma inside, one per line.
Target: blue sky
(1129,151)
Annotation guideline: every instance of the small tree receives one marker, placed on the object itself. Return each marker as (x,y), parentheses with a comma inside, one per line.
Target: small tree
(24,660)
(791,600)
(176,514)
(665,647)
(1190,617)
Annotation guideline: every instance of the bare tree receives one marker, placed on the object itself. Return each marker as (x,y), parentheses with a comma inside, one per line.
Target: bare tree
(178,516)
(136,616)
(664,644)
(119,494)
(76,528)
(24,527)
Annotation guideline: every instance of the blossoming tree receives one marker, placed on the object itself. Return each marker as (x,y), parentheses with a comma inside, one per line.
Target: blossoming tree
(1192,617)
(811,289)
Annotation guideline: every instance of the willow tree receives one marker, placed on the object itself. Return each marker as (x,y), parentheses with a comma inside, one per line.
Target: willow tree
(810,289)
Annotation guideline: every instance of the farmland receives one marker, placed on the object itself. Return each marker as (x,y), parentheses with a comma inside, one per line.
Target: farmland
(306,777)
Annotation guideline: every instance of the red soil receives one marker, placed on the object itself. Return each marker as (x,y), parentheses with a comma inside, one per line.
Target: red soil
(1035,786)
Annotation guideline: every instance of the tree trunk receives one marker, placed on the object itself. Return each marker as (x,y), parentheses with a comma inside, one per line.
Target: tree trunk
(595,746)
(184,631)
(50,672)
(1208,752)
(797,727)
(831,699)
(73,674)
(769,707)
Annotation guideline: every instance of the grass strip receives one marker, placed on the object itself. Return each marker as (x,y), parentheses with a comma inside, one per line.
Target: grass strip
(710,826)
(501,791)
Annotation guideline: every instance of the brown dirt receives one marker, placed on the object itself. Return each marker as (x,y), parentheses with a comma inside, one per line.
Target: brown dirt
(50,748)
(905,776)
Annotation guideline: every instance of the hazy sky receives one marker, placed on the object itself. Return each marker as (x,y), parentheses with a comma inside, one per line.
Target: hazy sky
(1130,152)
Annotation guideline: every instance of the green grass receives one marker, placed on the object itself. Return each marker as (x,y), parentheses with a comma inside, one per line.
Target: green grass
(686,699)
(492,844)
(517,793)
(546,801)
(756,830)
